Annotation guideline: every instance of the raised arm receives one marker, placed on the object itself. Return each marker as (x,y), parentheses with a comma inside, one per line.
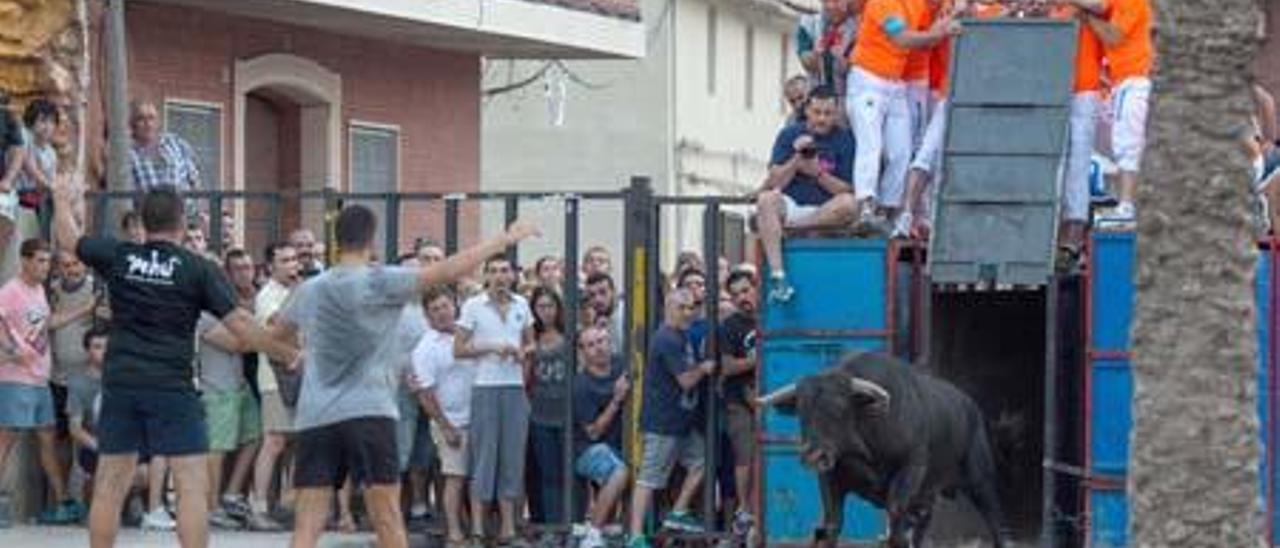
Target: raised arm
(66,229)
(466,261)
(241,324)
(914,39)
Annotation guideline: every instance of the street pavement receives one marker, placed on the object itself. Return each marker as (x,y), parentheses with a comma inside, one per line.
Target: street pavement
(33,536)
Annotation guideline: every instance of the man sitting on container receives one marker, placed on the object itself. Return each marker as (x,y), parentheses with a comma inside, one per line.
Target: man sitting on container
(808,184)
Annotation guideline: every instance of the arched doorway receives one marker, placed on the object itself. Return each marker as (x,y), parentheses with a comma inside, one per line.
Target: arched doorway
(287,136)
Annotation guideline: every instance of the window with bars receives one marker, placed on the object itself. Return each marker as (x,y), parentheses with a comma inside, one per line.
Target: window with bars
(200,125)
(375,167)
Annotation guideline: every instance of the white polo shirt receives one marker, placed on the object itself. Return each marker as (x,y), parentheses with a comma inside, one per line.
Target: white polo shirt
(435,367)
(480,317)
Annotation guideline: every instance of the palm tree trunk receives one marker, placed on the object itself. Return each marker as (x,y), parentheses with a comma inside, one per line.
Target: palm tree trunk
(1195,448)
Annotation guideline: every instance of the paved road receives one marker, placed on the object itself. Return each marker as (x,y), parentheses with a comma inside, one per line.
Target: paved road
(78,537)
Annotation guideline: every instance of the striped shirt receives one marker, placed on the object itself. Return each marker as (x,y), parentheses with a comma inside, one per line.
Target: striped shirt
(171,162)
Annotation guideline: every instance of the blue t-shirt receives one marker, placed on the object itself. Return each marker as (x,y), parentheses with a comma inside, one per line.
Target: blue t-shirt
(667,409)
(591,395)
(835,154)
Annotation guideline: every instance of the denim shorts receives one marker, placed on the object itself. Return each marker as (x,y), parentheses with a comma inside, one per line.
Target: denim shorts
(24,406)
(159,421)
(598,462)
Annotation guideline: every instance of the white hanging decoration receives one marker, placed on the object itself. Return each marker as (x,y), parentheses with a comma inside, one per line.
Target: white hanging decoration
(556,90)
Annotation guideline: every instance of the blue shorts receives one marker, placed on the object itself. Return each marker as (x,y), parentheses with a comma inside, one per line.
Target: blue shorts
(598,462)
(168,422)
(23,406)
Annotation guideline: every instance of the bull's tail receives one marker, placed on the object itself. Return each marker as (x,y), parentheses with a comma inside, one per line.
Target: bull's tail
(980,467)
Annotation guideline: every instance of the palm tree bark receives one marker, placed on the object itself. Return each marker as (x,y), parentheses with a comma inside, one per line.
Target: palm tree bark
(1195,448)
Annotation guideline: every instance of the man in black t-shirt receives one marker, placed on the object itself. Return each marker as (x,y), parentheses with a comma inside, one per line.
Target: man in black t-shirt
(158,290)
(739,360)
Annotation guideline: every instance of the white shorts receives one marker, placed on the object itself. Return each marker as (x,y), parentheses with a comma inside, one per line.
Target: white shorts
(796,213)
(1084,126)
(1129,103)
(881,117)
(453,460)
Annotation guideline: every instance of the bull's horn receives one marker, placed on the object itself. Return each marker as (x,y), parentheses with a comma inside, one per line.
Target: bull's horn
(782,395)
(868,388)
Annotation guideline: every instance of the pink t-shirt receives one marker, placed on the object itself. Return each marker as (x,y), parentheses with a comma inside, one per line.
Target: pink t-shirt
(26,315)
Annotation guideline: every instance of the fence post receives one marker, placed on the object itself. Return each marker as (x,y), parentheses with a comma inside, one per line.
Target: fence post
(451,225)
(572,298)
(102,214)
(710,389)
(273,219)
(332,206)
(215,223)
(511,212)
(391,245)
(639,248)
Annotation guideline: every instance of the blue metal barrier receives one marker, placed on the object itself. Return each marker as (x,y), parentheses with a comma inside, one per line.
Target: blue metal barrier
(1109,386)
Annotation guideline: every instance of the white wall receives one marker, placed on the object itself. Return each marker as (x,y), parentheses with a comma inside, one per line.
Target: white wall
(615,126)
(727,142)
(636,122)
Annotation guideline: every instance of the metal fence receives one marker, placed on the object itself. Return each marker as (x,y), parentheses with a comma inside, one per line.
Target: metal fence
(641,280)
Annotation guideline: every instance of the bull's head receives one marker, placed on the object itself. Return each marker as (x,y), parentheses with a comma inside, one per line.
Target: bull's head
(829,405)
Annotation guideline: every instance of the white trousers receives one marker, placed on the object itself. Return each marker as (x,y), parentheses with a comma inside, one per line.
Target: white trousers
(881,118)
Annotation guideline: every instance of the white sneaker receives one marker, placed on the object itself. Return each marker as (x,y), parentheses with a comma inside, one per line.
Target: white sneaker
(902,227)
(158,520)
(1120,217)
(593,538)
(418,511)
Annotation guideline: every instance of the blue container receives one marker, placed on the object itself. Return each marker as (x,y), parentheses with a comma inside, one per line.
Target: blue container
(840,287)
(1111,394)
(840,305)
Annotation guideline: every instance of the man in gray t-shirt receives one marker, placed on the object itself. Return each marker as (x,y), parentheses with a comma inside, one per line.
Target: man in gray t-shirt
(347,320)
(232,416)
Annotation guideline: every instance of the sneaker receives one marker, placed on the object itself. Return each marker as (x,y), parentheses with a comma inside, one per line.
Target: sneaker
(593,538)
(220,519)
(639,541)
(62,514)
(236,507)
(902,227)
(742,522)
(683,522)
(1120,217)
(419,512)
(158,520)
(80,509)
(866,222)
(782,292)
(134,511)
(263,524)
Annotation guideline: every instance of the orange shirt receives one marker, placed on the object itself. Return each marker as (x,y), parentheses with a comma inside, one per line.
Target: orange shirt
(1088,54)
(939,67)
(874,51)
(1132,57)
(989,11)
(921,18)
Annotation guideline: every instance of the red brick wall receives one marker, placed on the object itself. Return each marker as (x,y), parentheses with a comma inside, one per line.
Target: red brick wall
(432,95)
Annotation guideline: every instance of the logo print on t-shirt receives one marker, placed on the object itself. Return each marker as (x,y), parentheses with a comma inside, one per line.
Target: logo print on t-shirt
(151,270)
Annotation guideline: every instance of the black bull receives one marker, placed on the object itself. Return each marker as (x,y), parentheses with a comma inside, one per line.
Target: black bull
(897,438)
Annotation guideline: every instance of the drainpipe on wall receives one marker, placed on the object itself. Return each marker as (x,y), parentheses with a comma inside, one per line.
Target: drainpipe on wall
(117,99)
